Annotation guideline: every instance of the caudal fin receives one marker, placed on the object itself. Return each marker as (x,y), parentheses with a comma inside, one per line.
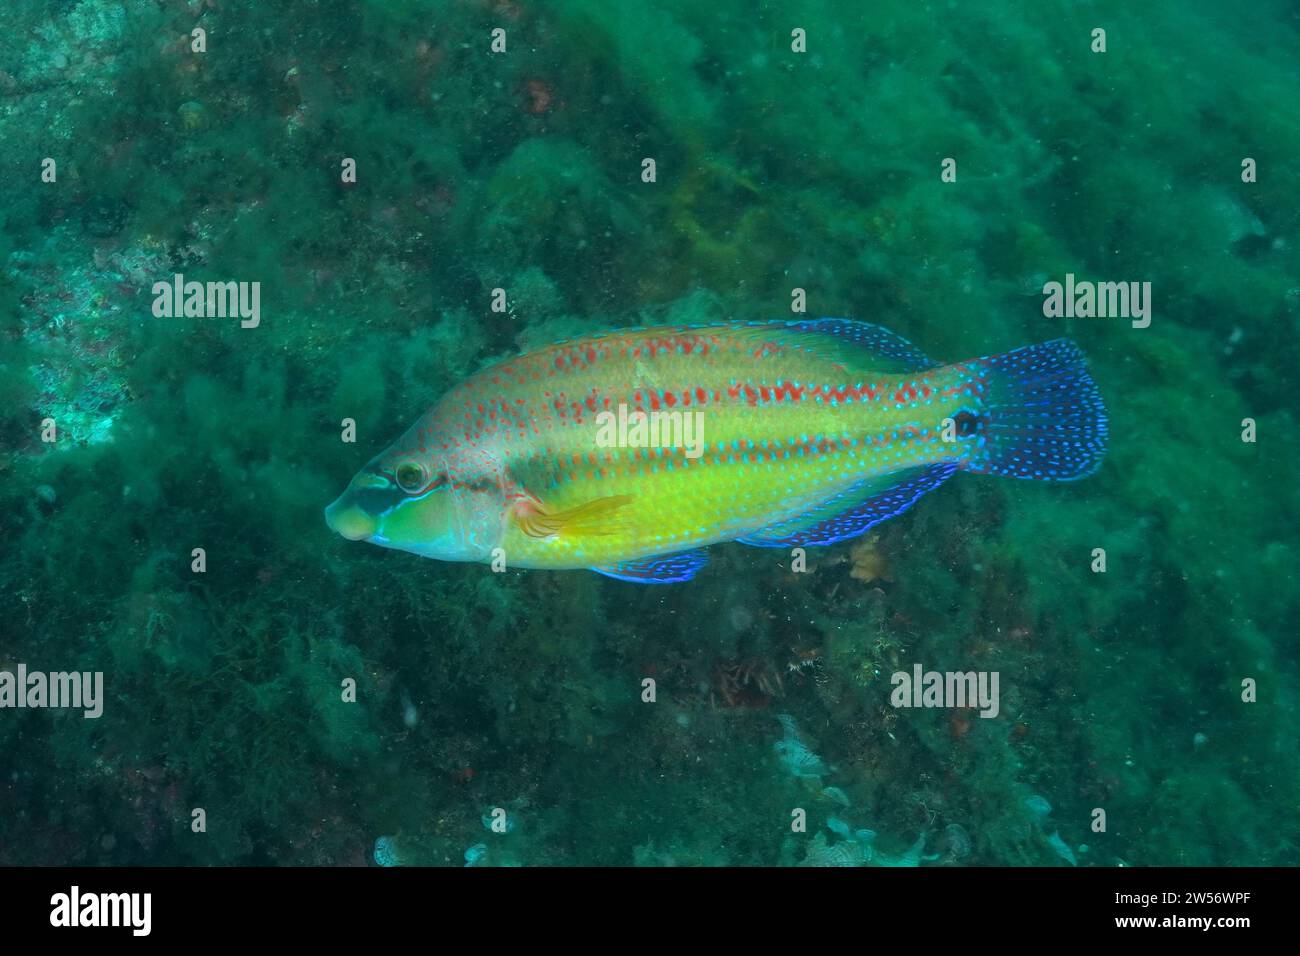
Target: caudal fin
(1042,415)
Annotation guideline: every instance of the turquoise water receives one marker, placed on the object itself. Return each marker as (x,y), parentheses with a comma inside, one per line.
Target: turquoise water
(1160,692)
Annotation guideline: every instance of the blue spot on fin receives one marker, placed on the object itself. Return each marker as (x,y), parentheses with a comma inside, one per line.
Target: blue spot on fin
(888,351)
(854,510)
(663,569)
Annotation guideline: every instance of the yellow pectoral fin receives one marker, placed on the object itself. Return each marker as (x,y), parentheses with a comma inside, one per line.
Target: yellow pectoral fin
(595,517)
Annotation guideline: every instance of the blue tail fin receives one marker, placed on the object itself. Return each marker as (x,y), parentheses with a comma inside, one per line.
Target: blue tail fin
(1042,416)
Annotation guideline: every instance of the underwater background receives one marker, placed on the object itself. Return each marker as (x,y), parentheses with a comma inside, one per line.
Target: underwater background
(522,170)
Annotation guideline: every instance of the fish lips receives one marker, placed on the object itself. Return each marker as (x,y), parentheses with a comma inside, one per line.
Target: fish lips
(349,519)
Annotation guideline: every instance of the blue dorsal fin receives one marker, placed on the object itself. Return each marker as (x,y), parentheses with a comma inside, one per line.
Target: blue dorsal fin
(853,511)
(890,351)
(664,569)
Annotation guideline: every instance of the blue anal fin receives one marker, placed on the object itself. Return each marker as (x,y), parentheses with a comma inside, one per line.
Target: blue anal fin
(853,511)
(663,569)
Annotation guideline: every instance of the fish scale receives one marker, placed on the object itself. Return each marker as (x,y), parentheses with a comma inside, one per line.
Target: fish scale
(821,428)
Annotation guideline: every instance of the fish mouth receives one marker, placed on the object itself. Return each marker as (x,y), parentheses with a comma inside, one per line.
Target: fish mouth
(350,520)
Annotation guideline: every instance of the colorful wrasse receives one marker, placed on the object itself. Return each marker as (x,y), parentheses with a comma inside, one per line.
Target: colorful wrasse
(628,452)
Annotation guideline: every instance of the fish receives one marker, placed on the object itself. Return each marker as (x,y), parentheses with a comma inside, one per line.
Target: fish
(631,452)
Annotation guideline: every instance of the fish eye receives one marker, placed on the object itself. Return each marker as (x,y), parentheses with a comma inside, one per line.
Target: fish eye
(410,477)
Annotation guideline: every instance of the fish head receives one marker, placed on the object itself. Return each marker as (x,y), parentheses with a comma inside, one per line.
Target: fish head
(429,503)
